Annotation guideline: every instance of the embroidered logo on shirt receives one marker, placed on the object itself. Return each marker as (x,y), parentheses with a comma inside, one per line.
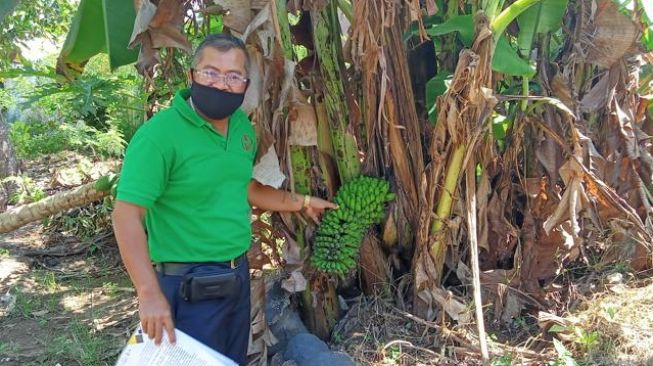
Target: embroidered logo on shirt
(247,142)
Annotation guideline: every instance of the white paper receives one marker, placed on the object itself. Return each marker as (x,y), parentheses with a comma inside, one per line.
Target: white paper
(187,351)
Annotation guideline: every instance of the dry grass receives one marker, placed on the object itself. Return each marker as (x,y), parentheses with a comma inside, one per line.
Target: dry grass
(615,326)
(375,332)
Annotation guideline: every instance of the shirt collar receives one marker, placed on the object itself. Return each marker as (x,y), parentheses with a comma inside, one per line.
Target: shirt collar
(180,103)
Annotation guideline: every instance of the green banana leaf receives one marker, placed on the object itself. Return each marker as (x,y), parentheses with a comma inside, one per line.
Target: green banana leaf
(119,17)
(506,59)
(463,24)
(98,26)
(543,17)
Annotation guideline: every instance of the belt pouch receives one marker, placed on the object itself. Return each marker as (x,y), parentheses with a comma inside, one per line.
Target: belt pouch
(200,286)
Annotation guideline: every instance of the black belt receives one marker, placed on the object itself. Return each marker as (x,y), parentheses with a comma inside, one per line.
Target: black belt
(181,268)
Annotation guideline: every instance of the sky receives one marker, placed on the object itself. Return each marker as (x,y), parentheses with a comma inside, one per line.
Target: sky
(38,48)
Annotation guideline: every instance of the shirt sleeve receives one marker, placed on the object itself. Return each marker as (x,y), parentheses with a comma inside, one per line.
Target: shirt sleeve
(144,172)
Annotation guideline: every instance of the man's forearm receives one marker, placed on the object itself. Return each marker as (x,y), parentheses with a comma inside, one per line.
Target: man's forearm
(272,199)
(132,243)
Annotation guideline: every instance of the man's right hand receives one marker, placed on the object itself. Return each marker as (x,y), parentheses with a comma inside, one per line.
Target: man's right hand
(154,312)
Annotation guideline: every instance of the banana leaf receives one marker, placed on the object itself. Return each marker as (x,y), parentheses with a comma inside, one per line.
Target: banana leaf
(543,17)
(119,17)
(99,26)
(506,59)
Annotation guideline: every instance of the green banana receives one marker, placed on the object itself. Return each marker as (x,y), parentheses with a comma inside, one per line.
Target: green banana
(361,204)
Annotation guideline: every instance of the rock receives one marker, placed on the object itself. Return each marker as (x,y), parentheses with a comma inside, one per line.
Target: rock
(303,348)
(284,322)
(276,360)
(276,301)
(615,278)
(287,326)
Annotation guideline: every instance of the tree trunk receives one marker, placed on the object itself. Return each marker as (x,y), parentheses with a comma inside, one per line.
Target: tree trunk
(19,216)
(8,162)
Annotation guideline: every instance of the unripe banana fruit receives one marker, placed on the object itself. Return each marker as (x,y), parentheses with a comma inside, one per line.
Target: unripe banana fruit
(361,204)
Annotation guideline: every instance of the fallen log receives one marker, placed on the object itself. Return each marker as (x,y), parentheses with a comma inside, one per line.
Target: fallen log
(80,196)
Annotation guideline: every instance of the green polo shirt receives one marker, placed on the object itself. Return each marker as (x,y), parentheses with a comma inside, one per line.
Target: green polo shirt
(193,182)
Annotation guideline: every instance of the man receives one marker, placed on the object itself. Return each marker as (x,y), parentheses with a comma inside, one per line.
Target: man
(183,203)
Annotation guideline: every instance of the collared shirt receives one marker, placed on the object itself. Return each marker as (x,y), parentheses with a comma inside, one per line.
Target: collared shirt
(193,182)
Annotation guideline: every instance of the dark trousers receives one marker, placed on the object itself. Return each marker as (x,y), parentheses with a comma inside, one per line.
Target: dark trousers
(222,324)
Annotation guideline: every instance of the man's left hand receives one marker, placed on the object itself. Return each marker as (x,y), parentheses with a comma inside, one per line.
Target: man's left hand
(316,207)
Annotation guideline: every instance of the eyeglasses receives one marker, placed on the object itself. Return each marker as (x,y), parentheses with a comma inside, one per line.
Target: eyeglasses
(232,79)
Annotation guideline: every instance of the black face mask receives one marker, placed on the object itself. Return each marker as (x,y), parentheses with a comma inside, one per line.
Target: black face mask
(214,103)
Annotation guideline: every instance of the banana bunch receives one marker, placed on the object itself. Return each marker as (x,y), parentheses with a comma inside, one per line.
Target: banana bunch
(361,203)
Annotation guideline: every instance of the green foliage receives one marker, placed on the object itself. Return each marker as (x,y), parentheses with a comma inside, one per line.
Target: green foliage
(504,360)
(565,357)
(96,114)
(85,223)
(26,190)
(543,17)
(31,139)
(82,344)
(506,59)
(29,20)
(88,98)
(35,139)
(108,183)
(586,341)
(361,203)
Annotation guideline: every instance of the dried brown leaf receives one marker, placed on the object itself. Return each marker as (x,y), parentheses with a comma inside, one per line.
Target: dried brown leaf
(610,35)
(600,94)
(572,200)
(238,13)
(157,27)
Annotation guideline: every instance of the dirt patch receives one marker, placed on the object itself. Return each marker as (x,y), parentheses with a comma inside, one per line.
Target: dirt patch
(66,309)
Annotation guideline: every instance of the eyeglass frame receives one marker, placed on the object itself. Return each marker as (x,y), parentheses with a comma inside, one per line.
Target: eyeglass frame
(222,77)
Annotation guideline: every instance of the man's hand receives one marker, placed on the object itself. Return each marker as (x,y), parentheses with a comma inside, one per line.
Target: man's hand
(154,312)
(316,207)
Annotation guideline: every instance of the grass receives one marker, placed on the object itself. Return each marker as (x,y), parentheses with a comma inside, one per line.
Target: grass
(83,344)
